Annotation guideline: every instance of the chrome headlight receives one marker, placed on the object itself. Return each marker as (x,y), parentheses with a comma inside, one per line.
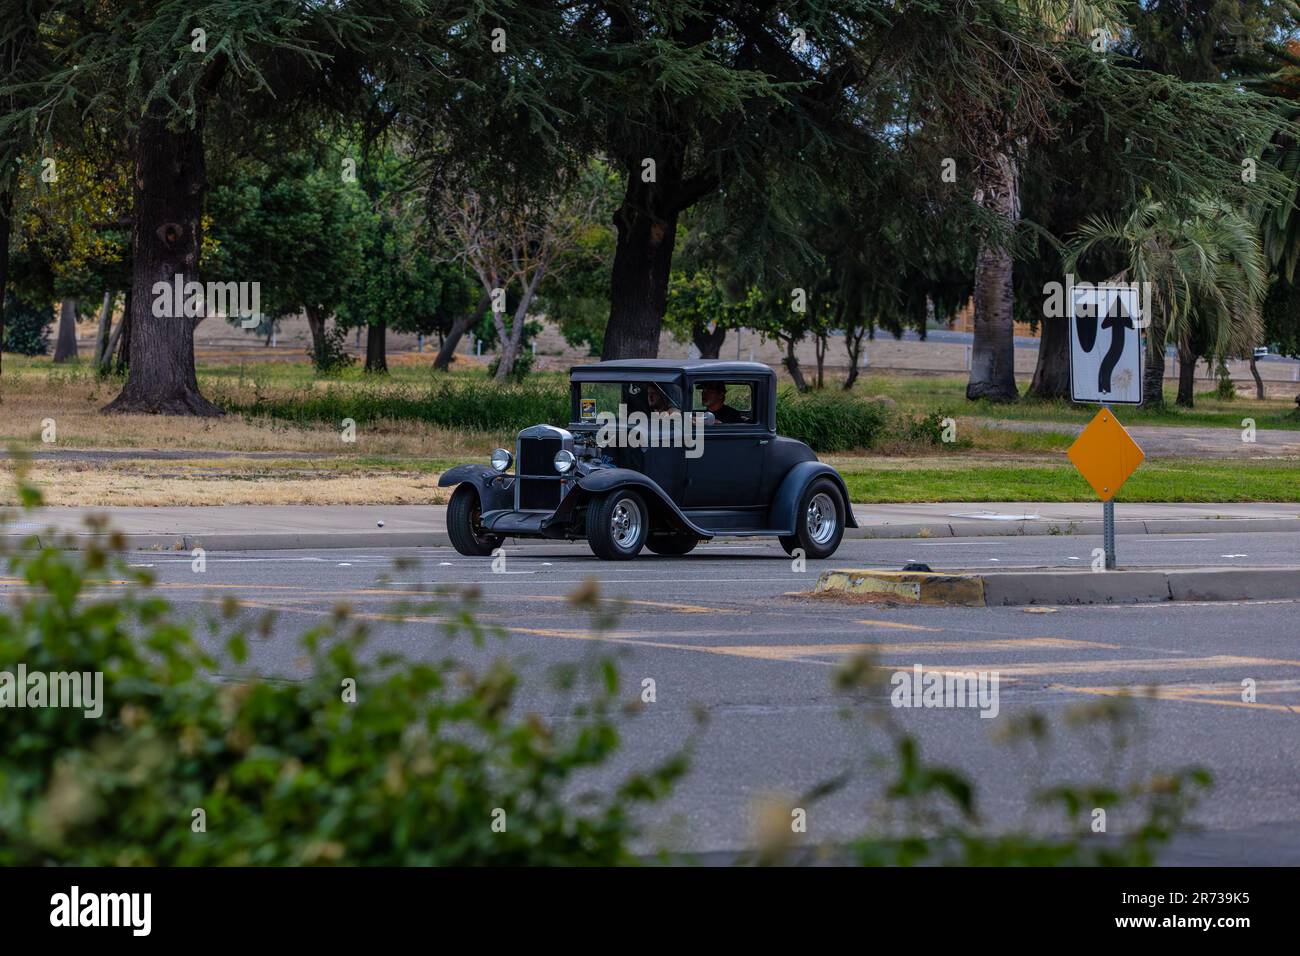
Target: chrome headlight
(502,460)
(564,461)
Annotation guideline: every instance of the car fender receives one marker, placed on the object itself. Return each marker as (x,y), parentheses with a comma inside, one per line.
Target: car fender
(796,480)
(603,480)
(495,491)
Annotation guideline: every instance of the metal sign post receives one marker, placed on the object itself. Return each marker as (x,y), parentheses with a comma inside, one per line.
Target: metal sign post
(1106,456)
(1106,372)
(1108,532)
(1108,524)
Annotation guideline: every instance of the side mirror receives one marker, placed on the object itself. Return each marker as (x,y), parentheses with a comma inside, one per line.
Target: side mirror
(709,418)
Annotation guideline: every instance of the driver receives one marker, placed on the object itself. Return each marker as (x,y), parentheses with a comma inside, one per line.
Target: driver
(714,396)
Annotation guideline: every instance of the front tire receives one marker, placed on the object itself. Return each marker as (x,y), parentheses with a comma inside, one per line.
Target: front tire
(672,544)
(819,522)
(467,535)
(617,525)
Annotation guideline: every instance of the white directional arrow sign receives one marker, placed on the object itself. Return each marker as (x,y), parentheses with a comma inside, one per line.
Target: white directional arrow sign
(1105,345)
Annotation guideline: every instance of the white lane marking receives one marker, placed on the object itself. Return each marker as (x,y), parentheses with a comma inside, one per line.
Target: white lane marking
(962,544)
(344,564)
(584,580)
(994,516)
(1232,555)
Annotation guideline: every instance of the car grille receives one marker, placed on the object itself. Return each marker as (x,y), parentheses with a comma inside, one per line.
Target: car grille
(537,458)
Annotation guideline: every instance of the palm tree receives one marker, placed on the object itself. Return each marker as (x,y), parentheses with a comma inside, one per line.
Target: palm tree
(1006,132)
(1207,278)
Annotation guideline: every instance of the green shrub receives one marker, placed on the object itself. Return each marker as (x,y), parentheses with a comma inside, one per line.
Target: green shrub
(829,421)
(470,403)
(289,772)
(925,430)
(27,326)
(332,356)
(1225,391)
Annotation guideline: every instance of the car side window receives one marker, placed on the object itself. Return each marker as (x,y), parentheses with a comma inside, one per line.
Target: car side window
(732,403)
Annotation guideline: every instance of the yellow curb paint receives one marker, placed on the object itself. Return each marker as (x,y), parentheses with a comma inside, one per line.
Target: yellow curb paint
(909,587)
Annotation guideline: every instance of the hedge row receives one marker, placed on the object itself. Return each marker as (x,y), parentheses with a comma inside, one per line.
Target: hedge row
(827,421)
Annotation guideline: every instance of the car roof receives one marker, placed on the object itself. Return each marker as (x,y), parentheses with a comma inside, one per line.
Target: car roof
(710,366)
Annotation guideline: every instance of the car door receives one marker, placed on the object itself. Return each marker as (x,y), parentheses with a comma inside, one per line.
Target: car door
(728,472)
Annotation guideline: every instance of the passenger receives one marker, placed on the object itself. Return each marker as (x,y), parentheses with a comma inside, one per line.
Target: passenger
(657,400)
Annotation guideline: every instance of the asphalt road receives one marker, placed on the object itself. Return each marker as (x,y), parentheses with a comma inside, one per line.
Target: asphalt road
(729,633)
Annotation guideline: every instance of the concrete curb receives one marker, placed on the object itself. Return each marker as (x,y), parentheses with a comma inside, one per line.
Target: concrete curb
(260,541)
(437,537)
(1014,588)
(981,529)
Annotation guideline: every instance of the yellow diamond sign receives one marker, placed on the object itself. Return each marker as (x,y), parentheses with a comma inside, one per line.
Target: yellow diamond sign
(1105,454)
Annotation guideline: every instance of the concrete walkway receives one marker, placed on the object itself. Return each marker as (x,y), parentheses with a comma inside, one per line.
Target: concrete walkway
(270,527)
(1170,441)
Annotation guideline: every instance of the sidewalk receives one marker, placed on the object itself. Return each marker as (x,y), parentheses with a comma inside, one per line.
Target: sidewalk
(272,527)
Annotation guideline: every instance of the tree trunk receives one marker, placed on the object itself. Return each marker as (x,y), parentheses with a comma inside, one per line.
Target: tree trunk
(820,349)
(511,343)
(1259,382)
(1153,376)
(166,241)
(1052,371)
(853,345)
(709,343)
(122,349)
(316,324)
(643,256)
(993,352)
(102,330)
(459,326)
(1186,378)
(65,350)
(791,363)
(377,347)
(111,347)
(6,221)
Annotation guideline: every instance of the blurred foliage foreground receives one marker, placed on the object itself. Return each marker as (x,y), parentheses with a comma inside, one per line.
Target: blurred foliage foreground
(371,759)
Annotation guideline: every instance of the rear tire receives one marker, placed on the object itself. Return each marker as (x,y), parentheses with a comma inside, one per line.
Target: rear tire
(467,535)
(672,544)
(819,521)
(618,524)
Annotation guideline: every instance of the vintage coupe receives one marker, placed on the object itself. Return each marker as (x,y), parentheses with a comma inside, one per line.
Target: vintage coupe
(725,471)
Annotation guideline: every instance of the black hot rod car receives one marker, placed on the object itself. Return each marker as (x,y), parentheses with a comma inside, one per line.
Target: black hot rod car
(658,454)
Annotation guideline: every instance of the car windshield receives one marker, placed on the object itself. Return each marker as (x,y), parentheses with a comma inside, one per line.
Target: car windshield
(597,397)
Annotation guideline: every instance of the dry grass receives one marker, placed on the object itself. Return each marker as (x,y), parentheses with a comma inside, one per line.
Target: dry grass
(162,484)
(73,401)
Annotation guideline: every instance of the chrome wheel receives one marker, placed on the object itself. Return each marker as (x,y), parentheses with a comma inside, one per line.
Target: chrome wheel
(625,524)
(822,519)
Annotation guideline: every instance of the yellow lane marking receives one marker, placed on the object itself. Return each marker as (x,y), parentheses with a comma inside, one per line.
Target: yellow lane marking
(1189,695)
(797,651)
(895,625)
(665,605)
(1126,665)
